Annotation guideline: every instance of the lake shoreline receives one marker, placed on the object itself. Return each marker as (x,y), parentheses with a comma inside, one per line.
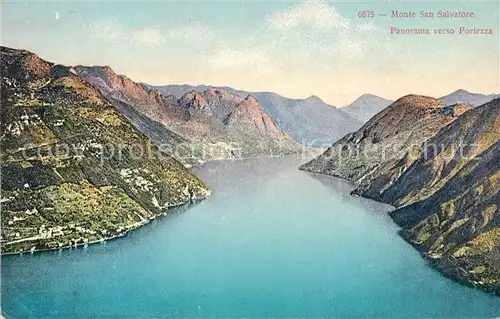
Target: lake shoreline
(451,274)
(136,226)
(169,211)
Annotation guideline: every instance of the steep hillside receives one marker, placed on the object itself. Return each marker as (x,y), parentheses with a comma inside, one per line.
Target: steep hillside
(366,106)
(443,179)
(74,170)
(166,140)
(310,121)
(120,88)
(454,215)
(458,227)
(393,135)
(465,97)
(440,157)
(200,117)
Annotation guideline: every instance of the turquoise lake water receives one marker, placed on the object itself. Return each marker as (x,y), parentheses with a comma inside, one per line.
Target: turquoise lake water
(272,241)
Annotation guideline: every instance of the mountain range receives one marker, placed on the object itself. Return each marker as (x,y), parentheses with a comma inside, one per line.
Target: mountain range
(465,97)
(313,122)
(368,105)
(215,123)
(310,121)
(438,165)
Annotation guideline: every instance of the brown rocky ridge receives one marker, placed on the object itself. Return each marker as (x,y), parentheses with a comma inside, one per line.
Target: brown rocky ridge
(225,124)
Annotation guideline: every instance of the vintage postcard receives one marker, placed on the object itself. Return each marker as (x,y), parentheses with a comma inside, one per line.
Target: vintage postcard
(250,159)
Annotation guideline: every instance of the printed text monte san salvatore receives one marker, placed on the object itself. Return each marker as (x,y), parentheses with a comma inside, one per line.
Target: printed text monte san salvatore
(443,14)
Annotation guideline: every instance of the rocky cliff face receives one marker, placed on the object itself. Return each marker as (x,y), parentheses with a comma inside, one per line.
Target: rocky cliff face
(393,135)
(216,123)
(249,116)
(439,158)
(74,170)
(119,89)
(449,199)
(441,172)
(310,121)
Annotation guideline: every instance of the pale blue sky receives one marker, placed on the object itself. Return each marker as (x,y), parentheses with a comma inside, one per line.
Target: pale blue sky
(295,48)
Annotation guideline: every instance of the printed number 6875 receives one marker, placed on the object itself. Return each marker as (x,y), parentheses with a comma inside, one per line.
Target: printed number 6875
(366,14)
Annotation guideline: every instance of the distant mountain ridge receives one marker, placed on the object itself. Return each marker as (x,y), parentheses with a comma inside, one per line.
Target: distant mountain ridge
(179,90)
(373,150)
(310,121)
(366,106)
(215,123)
(462,96)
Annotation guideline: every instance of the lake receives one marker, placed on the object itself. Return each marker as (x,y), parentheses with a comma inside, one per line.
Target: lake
(272,241)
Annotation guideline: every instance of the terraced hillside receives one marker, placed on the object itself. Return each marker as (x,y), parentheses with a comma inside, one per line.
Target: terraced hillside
(74,170)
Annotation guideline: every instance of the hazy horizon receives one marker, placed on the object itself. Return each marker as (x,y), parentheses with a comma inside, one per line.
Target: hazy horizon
(294,49)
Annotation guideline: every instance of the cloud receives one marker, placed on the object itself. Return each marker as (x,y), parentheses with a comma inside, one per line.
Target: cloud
(315,29)
(357,40)
(56,15)
(150,36)
(365,27)
(308,36)
(350,47)
(193,32)
(316,14)
(108,31)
